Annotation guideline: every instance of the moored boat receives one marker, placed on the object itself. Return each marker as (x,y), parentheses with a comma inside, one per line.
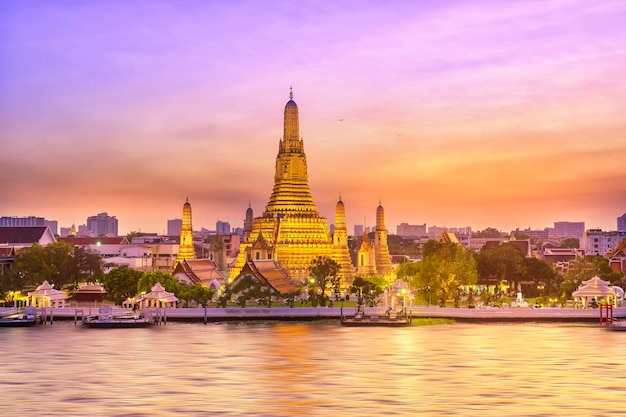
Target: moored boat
(26,319)
(360,319)
(106,320)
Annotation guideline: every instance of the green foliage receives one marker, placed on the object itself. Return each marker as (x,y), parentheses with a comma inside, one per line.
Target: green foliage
(121,283)
(570,242)
(366,290)
(196,293)
(10,280)
(167,280)
(444,268)
(60,263)
(505,261)
(249,288)
(489,232)
(540,272)
(324,272)
(408,271)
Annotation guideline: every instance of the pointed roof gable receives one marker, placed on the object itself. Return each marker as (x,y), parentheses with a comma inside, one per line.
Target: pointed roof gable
(448,237)
(26,235)
(200,271)
(270,273)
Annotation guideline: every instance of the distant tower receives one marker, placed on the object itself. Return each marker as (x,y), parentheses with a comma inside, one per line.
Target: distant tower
(340,241)
(73,230)
(186,250)
(248,223)
(383,259)
(291,230)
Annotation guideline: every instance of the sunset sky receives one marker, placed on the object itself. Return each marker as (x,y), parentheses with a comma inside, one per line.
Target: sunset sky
(474,113)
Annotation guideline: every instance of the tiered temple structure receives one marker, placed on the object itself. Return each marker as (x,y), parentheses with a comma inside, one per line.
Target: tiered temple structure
(383,259)
(373,257)
(291,230)
(186,250)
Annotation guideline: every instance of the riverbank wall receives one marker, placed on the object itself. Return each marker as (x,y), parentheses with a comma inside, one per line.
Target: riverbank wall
(483,315)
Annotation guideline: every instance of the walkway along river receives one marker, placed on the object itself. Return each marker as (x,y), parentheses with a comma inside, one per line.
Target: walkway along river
(213,314)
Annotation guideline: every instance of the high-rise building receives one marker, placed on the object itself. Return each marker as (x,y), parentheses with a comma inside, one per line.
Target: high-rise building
(411,230)
(597,242)
(174,226)
(53,225)
(291,230)
(186,250)
(358,230)
(22,221)
(222,228)
(621,223)
(563,230)
(102,225)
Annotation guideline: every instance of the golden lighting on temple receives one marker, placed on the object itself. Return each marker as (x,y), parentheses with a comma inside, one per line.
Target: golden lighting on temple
(185,250)
(291,230)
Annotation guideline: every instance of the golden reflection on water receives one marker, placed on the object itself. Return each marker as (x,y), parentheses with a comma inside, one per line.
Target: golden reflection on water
(286,369)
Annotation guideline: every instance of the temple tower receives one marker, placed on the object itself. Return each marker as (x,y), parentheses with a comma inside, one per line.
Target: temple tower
(248,223)
(366,263)
(185,250)
(340,242)
(383,259)
(291,229)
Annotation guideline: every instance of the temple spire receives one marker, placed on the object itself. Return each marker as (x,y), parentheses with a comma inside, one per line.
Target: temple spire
(291,93)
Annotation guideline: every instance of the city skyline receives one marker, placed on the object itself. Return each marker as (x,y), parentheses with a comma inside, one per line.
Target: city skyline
(481,114)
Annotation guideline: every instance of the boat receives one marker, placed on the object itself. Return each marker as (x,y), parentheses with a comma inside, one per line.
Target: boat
(106,320)
(389,319)
(26,319)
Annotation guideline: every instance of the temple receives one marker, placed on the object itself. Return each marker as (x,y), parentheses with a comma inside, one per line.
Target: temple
(291,230)
(373,258)
(186,250)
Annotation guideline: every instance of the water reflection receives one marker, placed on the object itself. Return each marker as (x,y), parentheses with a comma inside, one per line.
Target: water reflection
(286,369)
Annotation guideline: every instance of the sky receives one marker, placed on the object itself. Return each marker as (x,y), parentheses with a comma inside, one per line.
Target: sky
(482,113)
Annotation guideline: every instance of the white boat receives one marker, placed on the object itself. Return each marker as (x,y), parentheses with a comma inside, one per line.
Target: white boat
(25,319)
(106,320)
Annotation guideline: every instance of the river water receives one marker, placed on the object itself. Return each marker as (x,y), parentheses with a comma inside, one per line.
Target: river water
(313,369)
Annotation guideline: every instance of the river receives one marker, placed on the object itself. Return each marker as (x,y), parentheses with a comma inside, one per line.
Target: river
(313,369)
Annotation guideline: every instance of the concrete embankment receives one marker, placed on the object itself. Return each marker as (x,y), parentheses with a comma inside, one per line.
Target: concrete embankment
(485,315)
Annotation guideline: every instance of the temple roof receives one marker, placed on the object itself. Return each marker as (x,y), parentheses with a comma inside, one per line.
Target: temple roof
(200,271)
(22,234)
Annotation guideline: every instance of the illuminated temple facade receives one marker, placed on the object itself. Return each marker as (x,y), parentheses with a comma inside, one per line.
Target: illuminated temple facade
(373,257)
(186,250)
(291,230)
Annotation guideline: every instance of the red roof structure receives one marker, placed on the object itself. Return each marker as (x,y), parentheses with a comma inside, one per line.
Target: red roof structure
(270,273)
(24,235)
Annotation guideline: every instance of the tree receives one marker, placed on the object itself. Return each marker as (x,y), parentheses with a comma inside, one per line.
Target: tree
(197,293)
(121,283)
(60,263)
(167,280)
(488,233)
(505,261)
(540,272)
(325,274)
(365,290)
(249,288)
(444,269)
(570,242)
